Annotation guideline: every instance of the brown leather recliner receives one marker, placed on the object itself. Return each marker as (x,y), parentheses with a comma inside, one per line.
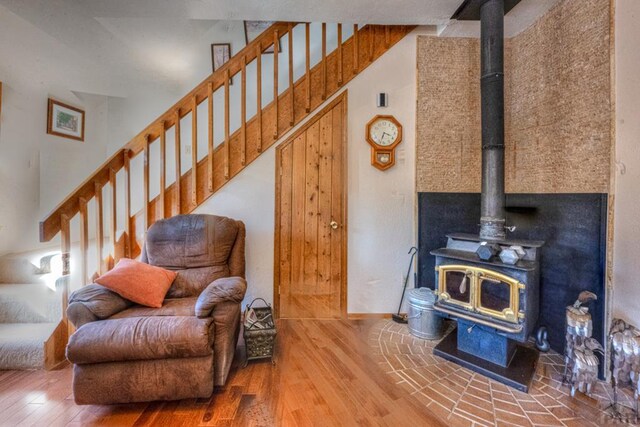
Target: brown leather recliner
(123,352)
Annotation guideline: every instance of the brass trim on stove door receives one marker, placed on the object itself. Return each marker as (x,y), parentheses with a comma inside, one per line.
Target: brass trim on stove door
(509,314)
(475,276)
(443,295)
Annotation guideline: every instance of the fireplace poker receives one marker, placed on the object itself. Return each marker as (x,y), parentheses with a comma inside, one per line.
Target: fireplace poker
(402,318)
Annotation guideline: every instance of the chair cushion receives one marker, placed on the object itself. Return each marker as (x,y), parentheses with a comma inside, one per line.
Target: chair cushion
(138,282)
(141,338)
(170,307)
(190,241)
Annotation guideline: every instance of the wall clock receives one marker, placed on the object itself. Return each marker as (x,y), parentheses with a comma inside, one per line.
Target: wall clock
(383,133)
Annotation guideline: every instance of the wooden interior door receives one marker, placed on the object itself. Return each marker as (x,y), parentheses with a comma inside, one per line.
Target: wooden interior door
(310,235)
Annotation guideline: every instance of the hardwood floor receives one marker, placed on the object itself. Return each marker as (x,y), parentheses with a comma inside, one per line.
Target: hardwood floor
(324,375)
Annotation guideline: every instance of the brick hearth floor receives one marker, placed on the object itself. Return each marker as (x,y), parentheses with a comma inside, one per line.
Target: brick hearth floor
(465,398)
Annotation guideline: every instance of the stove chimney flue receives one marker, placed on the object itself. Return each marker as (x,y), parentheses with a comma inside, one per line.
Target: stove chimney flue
(492,220)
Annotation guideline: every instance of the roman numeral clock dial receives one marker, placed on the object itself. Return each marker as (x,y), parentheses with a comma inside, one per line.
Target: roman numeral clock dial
(383,133)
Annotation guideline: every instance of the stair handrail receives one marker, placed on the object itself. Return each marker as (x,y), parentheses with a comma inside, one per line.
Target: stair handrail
(52,222)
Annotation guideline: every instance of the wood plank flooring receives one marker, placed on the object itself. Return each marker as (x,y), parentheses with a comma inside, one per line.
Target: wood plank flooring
(324,376)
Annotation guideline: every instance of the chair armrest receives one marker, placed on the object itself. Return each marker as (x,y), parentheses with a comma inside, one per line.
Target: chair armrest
(230,289)
(94,302)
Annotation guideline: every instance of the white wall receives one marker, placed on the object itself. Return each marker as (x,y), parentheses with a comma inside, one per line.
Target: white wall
(381,205)
(36,169)
(626,268)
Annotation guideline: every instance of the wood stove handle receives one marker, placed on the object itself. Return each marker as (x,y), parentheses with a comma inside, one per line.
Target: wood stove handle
(516,329)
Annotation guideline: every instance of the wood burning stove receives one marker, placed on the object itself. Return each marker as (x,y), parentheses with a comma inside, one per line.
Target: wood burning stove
(495,304)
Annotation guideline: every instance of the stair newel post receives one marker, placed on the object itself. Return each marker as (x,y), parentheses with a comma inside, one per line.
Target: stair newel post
(127,202)
(356,50)
(210,130)
(324,61)
(178,165)
(145,196)
(84,241)
(65,249)
(194,152)
(307,65)
(163,168)
(276,46)
(99,228)
(259,95)
(113,217)
(243,112)
(227,142)
(340,80)
(291,94)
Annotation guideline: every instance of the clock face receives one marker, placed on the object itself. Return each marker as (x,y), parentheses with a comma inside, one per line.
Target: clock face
(383,132)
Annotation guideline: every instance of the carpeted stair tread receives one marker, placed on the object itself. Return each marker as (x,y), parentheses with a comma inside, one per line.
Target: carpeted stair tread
(29,303)
(22,344)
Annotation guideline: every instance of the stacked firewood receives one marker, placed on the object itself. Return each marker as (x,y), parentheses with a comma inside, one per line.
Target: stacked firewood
(581,361)
(625,358)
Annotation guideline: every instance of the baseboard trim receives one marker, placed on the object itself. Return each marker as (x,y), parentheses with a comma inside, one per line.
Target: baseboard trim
(359,316)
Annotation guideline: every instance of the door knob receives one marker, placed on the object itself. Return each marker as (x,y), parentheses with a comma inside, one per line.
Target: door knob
(333,225)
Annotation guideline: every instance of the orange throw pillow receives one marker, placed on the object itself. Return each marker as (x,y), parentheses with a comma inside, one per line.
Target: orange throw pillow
(138,282)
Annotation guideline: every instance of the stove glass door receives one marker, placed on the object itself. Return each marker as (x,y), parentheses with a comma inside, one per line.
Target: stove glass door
(497,295)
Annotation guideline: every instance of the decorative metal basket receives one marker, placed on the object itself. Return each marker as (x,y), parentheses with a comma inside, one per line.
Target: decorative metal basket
(259,331)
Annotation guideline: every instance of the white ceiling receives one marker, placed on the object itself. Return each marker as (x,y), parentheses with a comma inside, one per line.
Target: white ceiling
(162,41)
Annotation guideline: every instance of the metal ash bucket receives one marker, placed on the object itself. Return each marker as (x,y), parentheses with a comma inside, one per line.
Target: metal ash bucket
(423,321)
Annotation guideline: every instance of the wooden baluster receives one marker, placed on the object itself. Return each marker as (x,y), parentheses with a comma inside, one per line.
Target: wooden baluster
(145,196)
(356,50)
(324,61)
(65,249)
(114,212)
(243,113)
(194,152)
(372,35)
(276,45)
(163,167)
(210,155)
(386,37)
(178,164)
(339,54)
(259,95)
(127,202)
(292,119)
(99,228)
(227,142)
(84,241)
(307,70)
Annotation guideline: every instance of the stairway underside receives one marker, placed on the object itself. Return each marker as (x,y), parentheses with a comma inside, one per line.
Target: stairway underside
(222,162)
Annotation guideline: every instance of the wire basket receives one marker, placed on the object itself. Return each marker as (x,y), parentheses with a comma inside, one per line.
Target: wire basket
(259,331)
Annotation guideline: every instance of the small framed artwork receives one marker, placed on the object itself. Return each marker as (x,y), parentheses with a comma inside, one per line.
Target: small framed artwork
(220,54)
(65,121)
(253,29)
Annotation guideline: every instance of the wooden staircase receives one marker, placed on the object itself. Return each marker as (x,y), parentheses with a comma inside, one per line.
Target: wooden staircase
(222,162)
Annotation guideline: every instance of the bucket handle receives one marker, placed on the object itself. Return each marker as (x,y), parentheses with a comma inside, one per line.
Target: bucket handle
(416,316)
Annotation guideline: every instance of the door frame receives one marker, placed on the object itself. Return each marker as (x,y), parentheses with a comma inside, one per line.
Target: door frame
(341,97)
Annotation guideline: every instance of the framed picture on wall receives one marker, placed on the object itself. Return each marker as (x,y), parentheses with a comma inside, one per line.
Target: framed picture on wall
(65,121)
(220,54)
(253,29)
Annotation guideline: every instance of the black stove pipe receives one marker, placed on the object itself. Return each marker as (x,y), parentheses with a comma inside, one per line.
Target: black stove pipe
(492,220)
